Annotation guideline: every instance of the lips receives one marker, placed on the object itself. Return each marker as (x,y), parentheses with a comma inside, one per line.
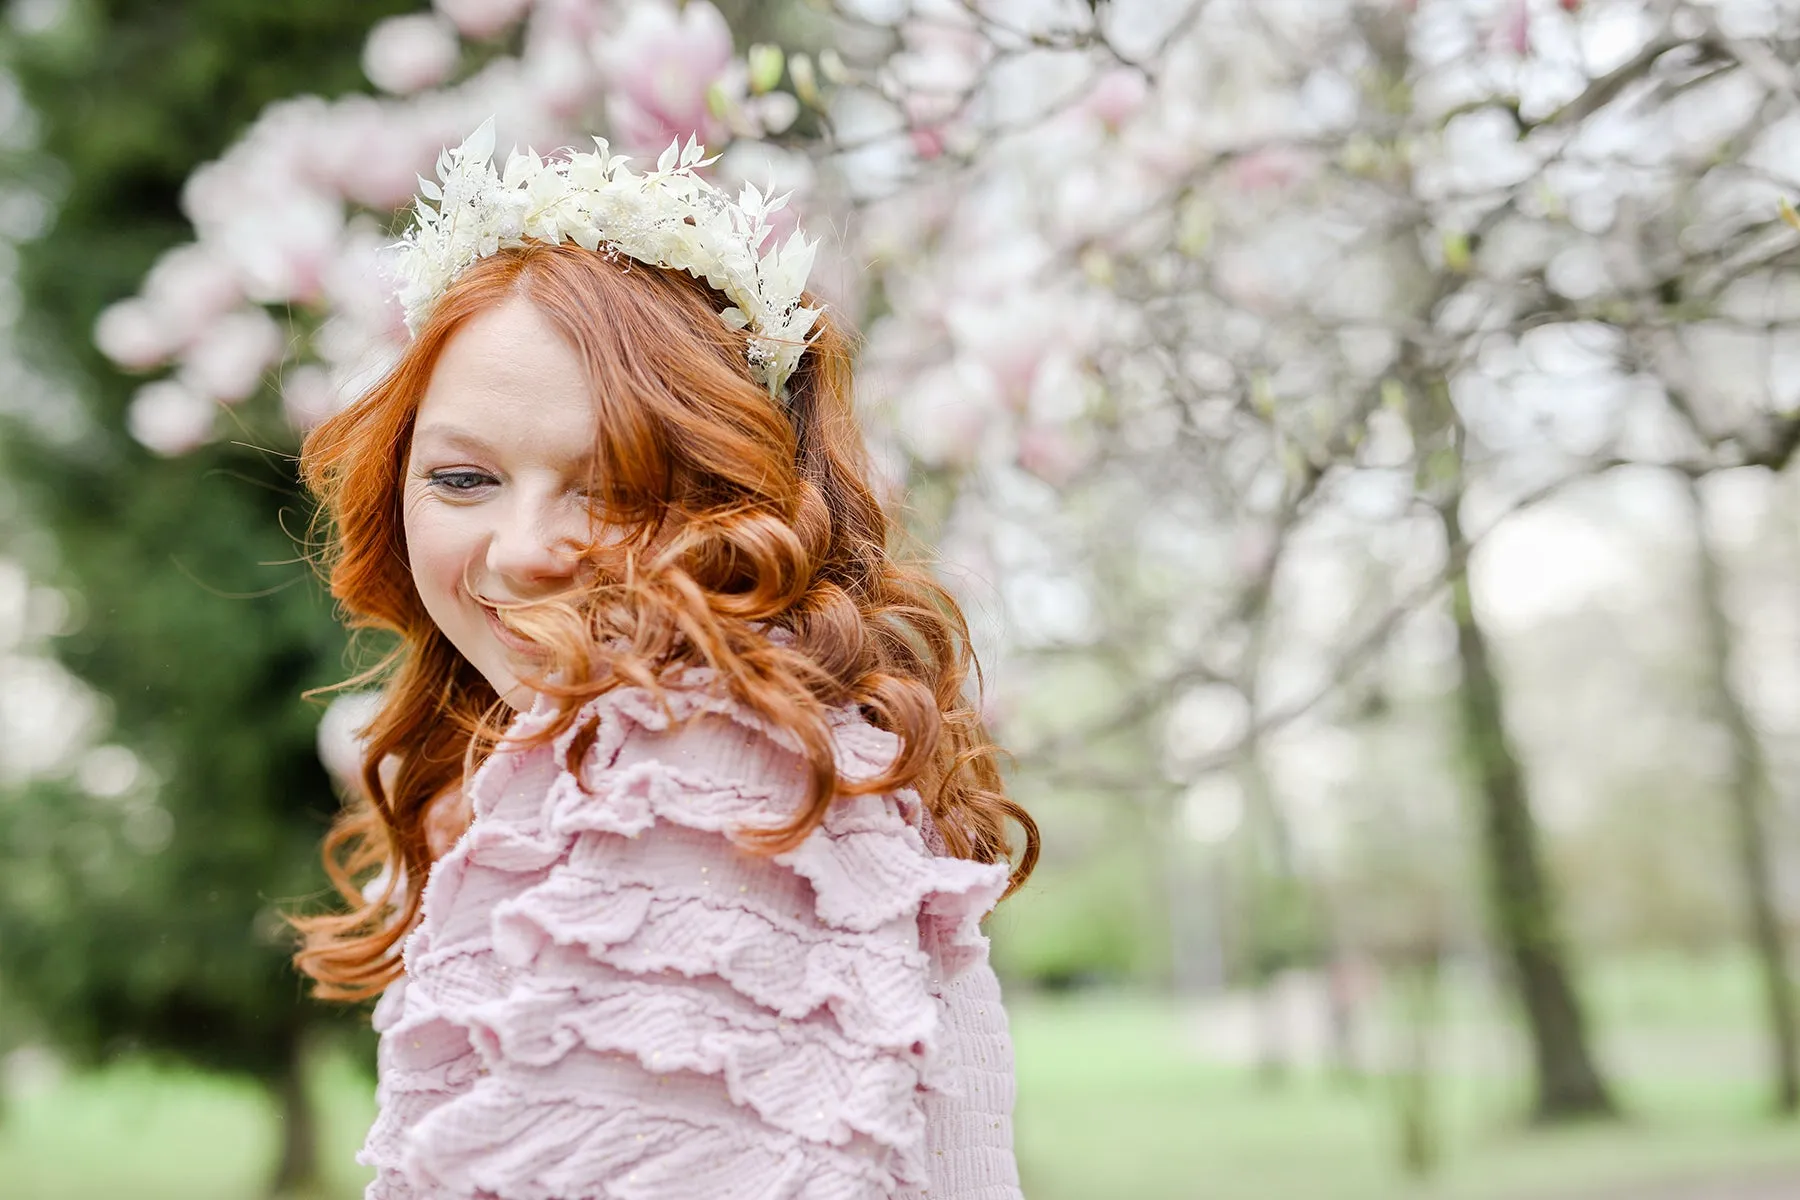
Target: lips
(507,637)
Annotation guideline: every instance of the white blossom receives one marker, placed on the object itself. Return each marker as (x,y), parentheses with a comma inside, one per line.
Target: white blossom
(168,418)
(482,18)
(659,64)
(406,54)
(340,734)
(130,334)
(308,396)
(228,360)
(669,217)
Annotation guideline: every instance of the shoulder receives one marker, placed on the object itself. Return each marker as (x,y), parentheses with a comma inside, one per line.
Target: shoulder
(771,1020)
(692,726)
(692,756)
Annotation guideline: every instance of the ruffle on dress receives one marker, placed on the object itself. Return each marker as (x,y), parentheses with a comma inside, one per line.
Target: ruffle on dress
(607,996)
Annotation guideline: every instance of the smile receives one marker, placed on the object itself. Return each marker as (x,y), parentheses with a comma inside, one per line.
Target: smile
(507,637)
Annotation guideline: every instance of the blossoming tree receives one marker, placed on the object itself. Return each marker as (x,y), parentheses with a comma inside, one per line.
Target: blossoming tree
(1216,334)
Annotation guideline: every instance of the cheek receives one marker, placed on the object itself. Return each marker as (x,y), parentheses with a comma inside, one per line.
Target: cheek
(440,543)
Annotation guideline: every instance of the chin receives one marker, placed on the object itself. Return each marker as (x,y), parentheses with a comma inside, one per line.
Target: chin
(518,697)
(513,691)
(494,666)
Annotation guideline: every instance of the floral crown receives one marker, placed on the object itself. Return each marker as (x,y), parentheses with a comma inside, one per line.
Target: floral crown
(669,217)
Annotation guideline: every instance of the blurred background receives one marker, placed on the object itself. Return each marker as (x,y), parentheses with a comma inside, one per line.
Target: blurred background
(1360,431)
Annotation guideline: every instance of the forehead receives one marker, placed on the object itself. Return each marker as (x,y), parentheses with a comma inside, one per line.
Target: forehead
(507,381)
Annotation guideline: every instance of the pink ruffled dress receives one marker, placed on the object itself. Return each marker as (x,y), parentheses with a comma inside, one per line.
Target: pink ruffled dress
(605,997)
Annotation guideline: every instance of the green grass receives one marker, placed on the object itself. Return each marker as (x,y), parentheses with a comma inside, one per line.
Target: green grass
(1113,1103)
(139,1132)
(1111,1106)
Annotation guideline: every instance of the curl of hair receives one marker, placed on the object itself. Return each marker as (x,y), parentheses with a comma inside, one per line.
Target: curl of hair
(736,512)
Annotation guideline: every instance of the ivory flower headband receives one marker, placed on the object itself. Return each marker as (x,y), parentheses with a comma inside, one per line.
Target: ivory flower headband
(669,217)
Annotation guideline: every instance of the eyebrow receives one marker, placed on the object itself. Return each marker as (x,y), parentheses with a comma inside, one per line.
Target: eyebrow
(455,437)
(452,436)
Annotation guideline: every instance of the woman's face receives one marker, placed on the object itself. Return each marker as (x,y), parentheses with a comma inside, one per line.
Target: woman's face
(498,481)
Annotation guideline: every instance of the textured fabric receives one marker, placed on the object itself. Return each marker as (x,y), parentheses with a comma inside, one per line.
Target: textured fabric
(607,997)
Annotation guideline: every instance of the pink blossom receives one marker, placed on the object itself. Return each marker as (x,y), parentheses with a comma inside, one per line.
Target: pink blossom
(1117,95)
(1015,367)
(278,150)
(358,355)
(282,246)
(1251,549)
(228,360)
(945,415)
(928,142)
(1515,27)
(374,152)
(1009,338)
(365,329)
(1062,391)
(339,737)
(940,67)
(308,396)
(407,54)
(558,65)
(482,18)
(1244,279)
(186,288)
(129,334)
(931,111)
(356,283)
(206,196)
(1267,168)
(659,66)
(568,20)
(560,75)
(1049,453)
(168,418)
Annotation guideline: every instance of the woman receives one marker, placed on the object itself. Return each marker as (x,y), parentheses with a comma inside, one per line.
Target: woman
(704,920)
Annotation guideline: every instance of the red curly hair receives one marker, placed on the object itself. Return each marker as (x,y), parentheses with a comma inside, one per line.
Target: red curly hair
(743,511)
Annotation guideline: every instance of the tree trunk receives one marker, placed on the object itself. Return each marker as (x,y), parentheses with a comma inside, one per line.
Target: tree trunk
(1417,974)
(1521,902)
(1344,1011)
(1191,896)
(1273,899)
(297,1174)
(1749,801)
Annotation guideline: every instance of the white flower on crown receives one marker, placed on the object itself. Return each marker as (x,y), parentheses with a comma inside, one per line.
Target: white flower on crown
(669,217)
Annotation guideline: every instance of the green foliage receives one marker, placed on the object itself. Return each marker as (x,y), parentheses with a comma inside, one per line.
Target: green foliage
(1084,922)
(199,621)
(1280,925)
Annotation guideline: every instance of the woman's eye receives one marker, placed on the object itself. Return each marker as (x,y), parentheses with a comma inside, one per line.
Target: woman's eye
(458,481)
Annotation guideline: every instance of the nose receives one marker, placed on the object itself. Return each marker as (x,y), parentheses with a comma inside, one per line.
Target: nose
(536,547)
